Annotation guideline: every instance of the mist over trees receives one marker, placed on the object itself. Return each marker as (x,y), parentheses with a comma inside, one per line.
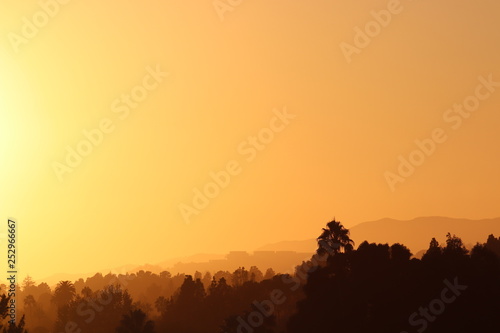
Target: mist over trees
(342,288)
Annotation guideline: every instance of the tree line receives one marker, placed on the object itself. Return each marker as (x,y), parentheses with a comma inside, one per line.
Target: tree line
(371,288)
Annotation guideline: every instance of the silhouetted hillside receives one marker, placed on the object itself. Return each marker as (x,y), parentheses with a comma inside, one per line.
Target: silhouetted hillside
(370,287)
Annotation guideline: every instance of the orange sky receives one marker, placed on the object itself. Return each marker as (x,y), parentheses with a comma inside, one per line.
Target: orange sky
(227,81)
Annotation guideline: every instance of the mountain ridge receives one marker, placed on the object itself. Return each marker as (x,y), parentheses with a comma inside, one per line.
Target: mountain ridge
(415,233)
(461,227)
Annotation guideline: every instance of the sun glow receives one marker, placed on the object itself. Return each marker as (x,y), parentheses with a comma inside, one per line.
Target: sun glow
(5,126)
(16,117)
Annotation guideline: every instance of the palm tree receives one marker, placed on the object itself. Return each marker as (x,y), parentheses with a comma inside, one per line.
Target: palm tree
(334,239)
(64,293)
(135,322)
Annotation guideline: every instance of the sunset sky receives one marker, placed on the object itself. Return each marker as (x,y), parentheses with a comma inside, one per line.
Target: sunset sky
(229,74)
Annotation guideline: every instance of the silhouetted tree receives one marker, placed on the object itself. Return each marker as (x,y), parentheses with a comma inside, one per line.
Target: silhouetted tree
(269,274)
(433,253)
(191,292)
(207,279)
(86,291)
(255,274)
(16,328)
(493,244)
(454,247)
(135,322)
(334,239)
(4,307)
(64,293)
(400,253)
(29,286)
(30,307)
(240,276)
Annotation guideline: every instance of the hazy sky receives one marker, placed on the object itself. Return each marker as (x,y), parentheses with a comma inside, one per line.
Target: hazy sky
(231,70)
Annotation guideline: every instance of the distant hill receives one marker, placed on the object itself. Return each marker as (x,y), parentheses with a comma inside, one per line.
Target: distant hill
(309,246)
(201,257)
(415,234)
